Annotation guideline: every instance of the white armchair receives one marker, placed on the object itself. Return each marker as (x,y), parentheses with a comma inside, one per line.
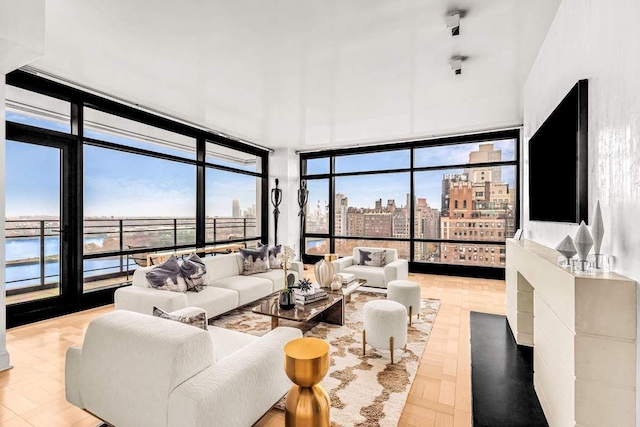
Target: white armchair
(378,277)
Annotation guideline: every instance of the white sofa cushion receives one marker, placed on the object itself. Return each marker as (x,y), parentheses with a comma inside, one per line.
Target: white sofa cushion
(373,275)
(130,362)
(226,341)
(277,277)
(221,266)
(249,288)
(213,300)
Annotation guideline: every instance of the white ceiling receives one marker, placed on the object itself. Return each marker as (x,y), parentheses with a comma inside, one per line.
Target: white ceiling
(304,74)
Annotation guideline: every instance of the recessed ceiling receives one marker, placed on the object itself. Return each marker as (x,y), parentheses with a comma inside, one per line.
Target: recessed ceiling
(305,74)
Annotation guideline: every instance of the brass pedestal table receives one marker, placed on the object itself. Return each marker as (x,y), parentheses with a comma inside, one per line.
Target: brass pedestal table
(306,363)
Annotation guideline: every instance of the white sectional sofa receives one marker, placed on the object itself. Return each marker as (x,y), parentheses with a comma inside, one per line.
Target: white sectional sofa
(227,288)
(378,277)
(135,370)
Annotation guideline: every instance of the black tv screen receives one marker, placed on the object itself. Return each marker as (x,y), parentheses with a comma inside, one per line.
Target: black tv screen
(558,162)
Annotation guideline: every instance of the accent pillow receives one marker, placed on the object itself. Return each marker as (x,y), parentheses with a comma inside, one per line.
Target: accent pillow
(274,262)
(255,261)
(167,276)
(199,320)
(373,258)
(195,273)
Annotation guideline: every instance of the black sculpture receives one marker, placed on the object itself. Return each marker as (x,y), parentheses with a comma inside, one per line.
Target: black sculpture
(276,199)
(303,198)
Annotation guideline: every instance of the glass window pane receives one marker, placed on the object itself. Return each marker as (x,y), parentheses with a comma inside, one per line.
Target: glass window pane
(466,204)
(219,155)
(373,205)
(317,246)
(459,154)
(489,255)
(32,239)
(317,220)
(387,160)
(118,130)
(317,166)
(34,109)
(344,247)
(232,206)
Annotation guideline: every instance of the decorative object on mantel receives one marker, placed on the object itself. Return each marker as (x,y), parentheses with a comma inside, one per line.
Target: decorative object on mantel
(583,243)
(276,199)
(323,271)
(287,298)
(303,198)
(518,234)
(567,249)
(597,231)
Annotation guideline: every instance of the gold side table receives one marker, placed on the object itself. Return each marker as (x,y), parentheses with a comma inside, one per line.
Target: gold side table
(330,257)
(306,363)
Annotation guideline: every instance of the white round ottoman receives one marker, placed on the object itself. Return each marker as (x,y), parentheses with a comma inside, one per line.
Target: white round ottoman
(385,325)
(406,293)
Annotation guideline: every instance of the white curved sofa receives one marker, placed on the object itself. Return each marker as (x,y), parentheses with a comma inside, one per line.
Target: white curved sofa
(135,370)
(227,288)
(377,277)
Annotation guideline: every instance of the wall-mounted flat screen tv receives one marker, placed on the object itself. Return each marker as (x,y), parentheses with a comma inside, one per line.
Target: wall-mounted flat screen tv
(558,164)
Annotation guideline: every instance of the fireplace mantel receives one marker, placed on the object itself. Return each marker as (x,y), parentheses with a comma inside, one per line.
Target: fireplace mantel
(583,330)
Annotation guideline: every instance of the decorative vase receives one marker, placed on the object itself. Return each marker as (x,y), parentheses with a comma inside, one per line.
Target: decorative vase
(323,271)
(287,299)
(597,229)
(567,249)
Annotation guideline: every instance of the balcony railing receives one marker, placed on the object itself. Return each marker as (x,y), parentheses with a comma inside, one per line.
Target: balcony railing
(32,247)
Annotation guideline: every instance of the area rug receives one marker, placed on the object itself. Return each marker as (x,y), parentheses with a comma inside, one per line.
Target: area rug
(365,390)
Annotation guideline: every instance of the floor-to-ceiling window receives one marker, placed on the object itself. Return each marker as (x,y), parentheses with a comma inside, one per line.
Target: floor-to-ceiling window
(446,205)
(94,186)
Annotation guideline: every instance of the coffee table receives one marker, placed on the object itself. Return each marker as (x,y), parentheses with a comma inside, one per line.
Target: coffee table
(330,310)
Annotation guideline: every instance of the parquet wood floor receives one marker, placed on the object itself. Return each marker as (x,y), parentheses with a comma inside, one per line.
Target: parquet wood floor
(32,394)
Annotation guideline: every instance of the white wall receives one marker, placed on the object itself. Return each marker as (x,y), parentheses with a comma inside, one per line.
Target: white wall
(600,41)
(284,164)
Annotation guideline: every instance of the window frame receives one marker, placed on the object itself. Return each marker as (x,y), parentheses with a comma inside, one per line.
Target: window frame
(497,272)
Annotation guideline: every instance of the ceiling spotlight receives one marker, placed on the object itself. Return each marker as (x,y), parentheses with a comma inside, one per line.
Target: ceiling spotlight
(456,64)
(453,22)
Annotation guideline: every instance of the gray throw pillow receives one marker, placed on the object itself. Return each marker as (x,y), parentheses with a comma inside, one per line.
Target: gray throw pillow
(373,258)
(195,273)
(274,262)
(255,261)
(167,276)
(199,320)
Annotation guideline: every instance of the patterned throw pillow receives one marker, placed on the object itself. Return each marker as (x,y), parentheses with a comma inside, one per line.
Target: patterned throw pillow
(167,276)
(195,273)
(373,258)
(255,261)
(274,262)
(199,320)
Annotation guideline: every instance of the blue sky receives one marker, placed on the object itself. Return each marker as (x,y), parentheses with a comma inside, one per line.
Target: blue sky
(116,183)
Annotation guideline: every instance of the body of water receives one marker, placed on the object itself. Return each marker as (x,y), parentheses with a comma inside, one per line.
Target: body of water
(17,276)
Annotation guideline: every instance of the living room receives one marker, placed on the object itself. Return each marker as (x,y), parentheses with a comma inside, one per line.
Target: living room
(383,213)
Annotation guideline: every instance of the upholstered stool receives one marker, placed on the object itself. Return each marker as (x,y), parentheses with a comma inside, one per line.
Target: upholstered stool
(406,293)
(385,326)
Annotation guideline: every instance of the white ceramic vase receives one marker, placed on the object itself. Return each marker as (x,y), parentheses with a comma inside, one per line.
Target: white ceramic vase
(323,271)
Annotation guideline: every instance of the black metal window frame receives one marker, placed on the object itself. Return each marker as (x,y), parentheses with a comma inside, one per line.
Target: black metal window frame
(412,146)
(75,299)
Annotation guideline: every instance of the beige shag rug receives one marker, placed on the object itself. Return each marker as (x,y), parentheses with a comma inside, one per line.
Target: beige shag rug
(365,390)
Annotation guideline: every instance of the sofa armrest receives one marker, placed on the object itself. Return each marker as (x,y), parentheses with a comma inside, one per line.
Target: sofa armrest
(396,270)
(237,390)
(298,267)
(342,263)
(142,300)
(72,375)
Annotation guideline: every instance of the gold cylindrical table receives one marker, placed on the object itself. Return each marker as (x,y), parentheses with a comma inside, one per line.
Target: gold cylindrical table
(330,257)
(306,363)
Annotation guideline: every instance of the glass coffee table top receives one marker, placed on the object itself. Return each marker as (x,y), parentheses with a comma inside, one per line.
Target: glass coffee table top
(306,312)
